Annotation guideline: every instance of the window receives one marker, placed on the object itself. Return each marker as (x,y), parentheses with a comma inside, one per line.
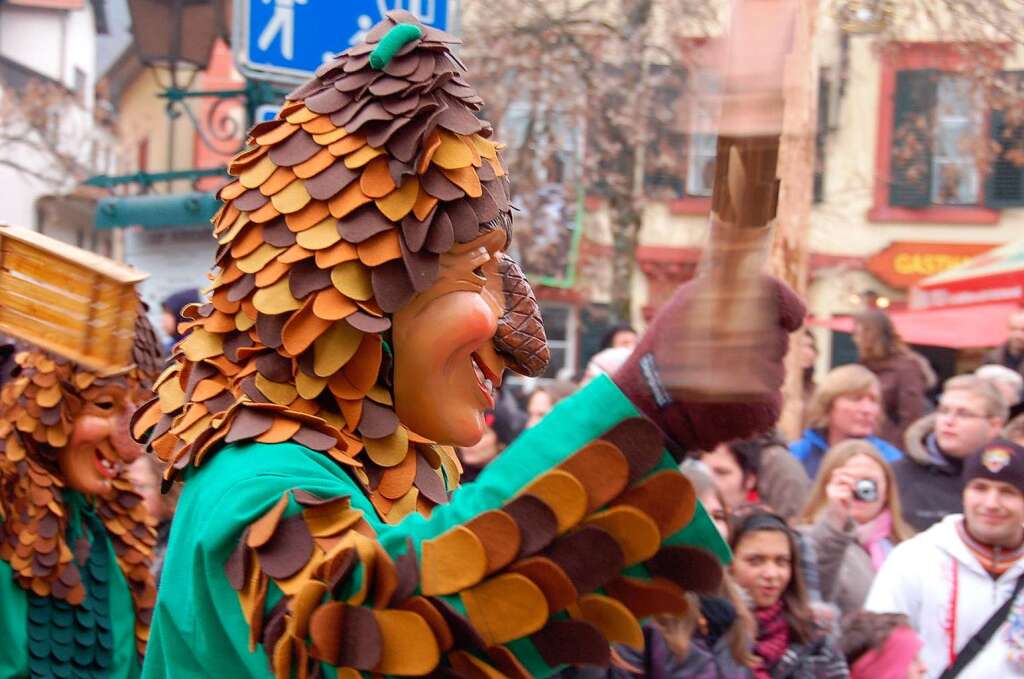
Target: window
(954,168)
(560,321)
(1005,185)
(681,121)
(935,125)
(826,109)
(700,175)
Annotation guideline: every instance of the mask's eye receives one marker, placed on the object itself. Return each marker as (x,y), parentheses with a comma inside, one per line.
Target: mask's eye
(104,403)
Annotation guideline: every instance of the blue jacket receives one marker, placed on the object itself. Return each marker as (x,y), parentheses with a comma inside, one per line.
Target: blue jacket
(812,446)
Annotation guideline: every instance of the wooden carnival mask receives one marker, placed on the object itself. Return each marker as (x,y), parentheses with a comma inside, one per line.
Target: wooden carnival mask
(362,306)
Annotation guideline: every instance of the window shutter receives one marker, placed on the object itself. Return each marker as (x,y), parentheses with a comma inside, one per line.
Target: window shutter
(821,136)
(910,166)
(1005,183)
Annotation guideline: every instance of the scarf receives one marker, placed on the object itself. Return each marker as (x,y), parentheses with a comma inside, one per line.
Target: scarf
(892,659)
(874,537)
(772,638)
(995,560)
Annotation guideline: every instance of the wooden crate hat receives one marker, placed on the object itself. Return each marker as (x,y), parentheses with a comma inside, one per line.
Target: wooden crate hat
(67,300)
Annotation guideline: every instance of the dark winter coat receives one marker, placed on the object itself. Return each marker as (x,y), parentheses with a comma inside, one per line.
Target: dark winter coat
(818,659)
(929,482)
(1002,356)
(903,394)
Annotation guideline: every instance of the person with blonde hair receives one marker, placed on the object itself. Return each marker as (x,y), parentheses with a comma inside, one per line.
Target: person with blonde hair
(852,519)
(846,405)
(971,413)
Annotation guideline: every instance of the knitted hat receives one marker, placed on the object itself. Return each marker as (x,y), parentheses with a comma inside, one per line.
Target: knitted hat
(999,460)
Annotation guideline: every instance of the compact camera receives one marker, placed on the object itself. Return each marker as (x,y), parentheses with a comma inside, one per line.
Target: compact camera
(865,490)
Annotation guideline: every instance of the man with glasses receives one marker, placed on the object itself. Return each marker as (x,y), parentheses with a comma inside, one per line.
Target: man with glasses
(970,414)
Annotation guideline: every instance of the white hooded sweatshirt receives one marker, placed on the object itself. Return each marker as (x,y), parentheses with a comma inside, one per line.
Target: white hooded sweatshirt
(941,586)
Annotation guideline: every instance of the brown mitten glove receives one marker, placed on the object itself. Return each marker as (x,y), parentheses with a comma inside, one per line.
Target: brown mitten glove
(701,424)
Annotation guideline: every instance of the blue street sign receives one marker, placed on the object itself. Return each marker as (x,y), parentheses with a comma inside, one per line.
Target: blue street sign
(266,112)
(287,40)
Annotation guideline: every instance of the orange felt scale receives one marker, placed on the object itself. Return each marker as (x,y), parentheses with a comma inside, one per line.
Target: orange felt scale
(350,198)
(277,135)
(331,305)
(361,157)
(315,165)
(264,214)
(397,204)
(319,125)
(466,179)
(376,181)
(348,144)
(281,178)
(381,248)
(452,562)
(303,328)
(314,213)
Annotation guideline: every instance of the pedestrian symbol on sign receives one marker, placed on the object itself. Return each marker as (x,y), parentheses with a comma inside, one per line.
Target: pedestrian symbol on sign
(282,23)
(425,10)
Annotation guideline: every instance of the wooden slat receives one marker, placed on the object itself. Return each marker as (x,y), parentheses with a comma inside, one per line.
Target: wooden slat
(108,268)
(57,317)
(11,284)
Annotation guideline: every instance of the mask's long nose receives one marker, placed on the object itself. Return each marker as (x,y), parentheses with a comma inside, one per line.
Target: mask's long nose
(520,336)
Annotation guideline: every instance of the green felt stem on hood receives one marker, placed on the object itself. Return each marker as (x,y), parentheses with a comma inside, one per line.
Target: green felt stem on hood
(397,38)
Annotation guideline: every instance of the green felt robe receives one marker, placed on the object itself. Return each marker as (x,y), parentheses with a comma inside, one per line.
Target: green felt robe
(198,626)
(44,637)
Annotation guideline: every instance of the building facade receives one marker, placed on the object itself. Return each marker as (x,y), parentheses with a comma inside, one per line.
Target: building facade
(53,130)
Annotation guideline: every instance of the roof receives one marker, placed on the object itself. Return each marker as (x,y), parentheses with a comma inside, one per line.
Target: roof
(17,75)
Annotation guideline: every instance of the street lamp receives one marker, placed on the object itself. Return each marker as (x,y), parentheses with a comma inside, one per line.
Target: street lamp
(176,38)
(170,33)
(863,16)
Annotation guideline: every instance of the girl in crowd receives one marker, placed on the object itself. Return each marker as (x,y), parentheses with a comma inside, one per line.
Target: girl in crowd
(788,644)
(846,405)
(853,519)
(900,372)
(882,646)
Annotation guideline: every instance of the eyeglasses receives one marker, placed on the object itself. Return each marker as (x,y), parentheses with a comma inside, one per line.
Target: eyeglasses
(959,414)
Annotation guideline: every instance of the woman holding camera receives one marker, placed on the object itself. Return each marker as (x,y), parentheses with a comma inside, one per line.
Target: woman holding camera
(852,520)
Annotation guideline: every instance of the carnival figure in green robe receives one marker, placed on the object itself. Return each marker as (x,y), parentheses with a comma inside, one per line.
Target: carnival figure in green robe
(362,313)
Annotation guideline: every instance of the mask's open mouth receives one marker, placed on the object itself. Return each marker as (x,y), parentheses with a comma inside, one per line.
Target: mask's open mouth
(105,467)
(485,377)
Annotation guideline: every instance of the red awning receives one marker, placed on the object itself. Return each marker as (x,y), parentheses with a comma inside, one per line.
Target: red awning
(966,327)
